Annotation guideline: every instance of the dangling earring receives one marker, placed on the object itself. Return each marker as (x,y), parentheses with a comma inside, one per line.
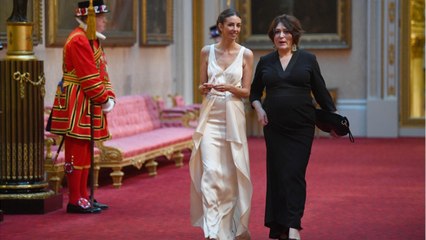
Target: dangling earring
(294,48)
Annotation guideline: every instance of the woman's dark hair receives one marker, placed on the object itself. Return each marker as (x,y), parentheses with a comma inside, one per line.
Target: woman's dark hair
(291,23)
(225,14)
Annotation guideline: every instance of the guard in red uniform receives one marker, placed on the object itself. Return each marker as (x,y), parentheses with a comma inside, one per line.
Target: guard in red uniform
(85,81)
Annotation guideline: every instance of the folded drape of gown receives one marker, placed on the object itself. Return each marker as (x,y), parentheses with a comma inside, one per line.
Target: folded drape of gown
(241,172)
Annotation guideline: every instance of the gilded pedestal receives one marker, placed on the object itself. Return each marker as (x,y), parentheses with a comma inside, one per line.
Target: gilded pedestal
(22,185)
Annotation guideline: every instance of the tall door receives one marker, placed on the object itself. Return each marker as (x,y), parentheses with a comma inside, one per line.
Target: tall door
(413,64)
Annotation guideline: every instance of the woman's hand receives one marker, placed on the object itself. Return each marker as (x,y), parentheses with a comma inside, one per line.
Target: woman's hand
(205,88)
(222,87)
(262,118)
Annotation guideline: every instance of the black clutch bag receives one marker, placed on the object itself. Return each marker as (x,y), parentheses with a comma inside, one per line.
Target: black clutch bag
(328,121)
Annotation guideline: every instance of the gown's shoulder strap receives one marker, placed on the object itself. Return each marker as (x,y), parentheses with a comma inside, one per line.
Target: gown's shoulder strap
(211,53)
(240,55)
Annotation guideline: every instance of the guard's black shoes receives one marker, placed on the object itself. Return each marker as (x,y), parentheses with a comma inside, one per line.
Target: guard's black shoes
(97,204)
(71,208)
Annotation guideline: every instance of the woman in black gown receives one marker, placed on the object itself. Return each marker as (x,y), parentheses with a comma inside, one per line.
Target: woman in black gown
(288,75)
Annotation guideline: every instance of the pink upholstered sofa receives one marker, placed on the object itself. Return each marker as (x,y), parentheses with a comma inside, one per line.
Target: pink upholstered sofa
(139,136)
(179,101)
(191,111)
(176,115)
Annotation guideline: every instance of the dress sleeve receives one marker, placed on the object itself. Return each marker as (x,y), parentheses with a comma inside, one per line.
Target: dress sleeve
(258,84)
(319,88)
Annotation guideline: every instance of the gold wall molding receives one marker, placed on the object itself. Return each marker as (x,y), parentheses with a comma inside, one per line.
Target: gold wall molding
(391,36)
(198,41)
(392,12)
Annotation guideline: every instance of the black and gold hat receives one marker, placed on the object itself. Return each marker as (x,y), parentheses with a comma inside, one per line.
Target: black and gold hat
(98,5)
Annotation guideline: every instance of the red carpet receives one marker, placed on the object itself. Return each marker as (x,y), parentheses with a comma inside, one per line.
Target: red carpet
(372,189)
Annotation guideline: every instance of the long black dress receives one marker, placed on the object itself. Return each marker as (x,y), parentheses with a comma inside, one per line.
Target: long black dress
(289,133)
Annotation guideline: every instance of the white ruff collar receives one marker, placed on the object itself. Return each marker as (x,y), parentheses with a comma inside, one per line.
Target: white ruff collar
(84,26)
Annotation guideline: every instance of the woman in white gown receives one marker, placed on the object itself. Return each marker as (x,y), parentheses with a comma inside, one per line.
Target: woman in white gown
(221,188)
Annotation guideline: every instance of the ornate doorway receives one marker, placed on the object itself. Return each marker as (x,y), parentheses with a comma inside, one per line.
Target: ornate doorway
(413,64)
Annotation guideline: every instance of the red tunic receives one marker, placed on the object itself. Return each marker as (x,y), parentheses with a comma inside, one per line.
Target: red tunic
(85,78)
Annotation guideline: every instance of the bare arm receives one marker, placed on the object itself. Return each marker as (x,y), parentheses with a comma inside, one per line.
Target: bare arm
(204,87)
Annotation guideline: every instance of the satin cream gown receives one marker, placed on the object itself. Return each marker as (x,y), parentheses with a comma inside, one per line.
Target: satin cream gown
(221,188)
